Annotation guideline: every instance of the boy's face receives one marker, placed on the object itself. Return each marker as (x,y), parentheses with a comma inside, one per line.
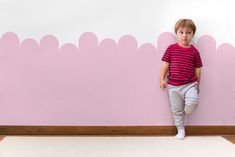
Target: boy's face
(184,36)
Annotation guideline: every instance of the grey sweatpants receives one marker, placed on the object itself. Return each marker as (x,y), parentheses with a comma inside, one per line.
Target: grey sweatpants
(183,100)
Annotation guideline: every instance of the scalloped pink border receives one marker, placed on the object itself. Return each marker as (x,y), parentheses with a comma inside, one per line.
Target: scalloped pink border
(106,82)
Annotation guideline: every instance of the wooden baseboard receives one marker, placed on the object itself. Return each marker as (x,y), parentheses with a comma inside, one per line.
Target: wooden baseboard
(114,130)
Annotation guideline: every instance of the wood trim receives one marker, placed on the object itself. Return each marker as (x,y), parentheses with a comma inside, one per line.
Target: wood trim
(87,130)
(114,130)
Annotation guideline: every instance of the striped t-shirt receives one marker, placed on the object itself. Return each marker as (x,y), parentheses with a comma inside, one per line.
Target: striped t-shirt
(182,63)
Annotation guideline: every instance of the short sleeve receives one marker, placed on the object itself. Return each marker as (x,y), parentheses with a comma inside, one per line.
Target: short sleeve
(198,61)
(166,56)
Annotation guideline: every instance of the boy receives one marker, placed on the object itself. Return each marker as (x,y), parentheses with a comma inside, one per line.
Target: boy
(183,62)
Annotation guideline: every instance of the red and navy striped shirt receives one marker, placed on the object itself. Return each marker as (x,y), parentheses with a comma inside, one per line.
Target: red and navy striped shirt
(182,63)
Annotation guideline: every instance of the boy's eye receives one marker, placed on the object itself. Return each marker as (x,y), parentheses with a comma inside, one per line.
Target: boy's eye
(188,32)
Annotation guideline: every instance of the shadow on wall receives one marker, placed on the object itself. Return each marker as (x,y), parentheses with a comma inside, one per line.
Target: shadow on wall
(105,83)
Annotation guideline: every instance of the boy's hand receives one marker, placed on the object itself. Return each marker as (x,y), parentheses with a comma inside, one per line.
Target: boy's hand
(197,89)
(197,86)
(162,84)
(164,70)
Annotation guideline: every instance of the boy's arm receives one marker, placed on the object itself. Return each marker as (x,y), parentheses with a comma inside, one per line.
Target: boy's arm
(198,74)
(164,70)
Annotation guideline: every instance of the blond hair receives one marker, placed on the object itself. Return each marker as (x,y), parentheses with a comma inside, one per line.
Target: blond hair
(188,23)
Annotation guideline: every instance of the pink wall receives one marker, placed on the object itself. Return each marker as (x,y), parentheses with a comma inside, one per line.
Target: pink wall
(105,83)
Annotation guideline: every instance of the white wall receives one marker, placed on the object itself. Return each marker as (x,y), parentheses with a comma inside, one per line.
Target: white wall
(144,19)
